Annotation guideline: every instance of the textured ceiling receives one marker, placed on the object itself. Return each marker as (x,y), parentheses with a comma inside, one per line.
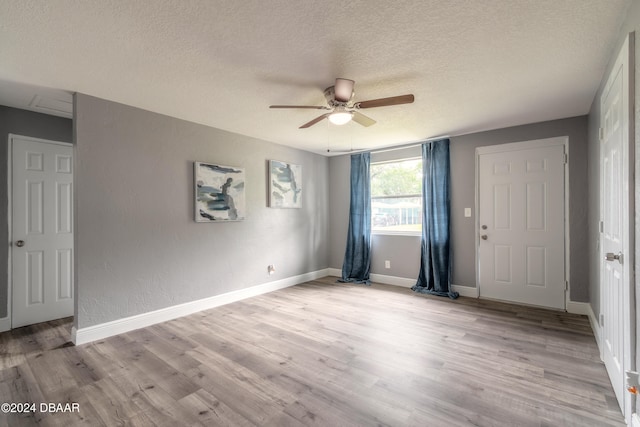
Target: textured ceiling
(472,65)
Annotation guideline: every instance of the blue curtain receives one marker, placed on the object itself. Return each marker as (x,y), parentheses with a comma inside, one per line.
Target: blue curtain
(357,258)
(435,262)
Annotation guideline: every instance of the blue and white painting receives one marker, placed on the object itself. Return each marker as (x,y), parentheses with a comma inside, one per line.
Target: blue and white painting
(285,185)
(219,193)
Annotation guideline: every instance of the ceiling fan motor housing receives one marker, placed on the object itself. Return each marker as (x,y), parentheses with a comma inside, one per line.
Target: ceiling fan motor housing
(330,96)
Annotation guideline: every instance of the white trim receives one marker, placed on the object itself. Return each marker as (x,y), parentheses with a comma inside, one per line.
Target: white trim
(596,328)
(582,308)
(5,324)
(334,272)
(120,326)
(635,420)
(9,226)
(585,309)
(522,145)
(464,291)
(10,143)
(517,146)
(393,280)
(476,219)
(46,141)
(567,225)
(383,279)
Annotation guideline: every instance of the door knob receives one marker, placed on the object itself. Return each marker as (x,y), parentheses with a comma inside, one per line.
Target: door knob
(610,256)
(20,243)
(484,237)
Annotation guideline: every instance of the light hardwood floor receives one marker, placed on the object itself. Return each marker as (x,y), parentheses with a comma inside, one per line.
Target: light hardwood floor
(321,354)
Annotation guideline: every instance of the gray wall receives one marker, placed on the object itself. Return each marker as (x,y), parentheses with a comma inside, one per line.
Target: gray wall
(138,248)
(26,123)
(403,251)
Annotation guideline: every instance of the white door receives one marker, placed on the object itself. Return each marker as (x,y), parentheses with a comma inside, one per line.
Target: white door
(41,230)
(615,296)
(521,199)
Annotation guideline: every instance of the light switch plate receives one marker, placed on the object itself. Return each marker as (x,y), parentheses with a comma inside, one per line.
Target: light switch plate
(467,212)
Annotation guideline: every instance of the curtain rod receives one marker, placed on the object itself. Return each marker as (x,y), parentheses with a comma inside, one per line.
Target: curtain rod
(409,145)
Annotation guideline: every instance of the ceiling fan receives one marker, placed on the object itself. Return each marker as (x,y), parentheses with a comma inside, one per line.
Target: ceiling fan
(341,107)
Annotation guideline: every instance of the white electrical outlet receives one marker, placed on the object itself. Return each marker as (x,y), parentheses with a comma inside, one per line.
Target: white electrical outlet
(387,264)
(271,269)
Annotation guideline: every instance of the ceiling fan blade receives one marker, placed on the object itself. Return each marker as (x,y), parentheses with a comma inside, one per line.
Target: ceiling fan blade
(383,102)
(343,90)
(313,107)
(363,120)
(314,121)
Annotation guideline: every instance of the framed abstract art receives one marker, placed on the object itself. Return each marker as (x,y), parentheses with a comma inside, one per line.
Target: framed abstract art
(285,185)
(219,193)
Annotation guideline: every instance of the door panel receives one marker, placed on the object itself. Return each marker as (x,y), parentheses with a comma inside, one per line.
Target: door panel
(536,209)
(64,282)
(35,278)
(502,260)
(64,204)
(521,204)
(42,221)
(536,266)
(613,202)
(502,206)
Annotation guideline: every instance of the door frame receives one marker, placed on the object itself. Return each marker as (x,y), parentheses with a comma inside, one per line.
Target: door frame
(625,60)
(8,321)
(519,146)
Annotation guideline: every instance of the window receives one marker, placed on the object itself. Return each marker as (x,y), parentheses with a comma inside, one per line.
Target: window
(396,197)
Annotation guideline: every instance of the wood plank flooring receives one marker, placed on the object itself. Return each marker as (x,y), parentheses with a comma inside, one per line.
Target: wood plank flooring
(320,354)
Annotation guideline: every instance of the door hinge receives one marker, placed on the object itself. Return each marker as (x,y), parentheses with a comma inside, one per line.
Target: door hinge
(601,226)
(566,158)
(601,133)
(566,285)
(602,320)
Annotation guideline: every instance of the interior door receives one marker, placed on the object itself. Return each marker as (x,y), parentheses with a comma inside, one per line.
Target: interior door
(521,253)
(615,247)
(42,230)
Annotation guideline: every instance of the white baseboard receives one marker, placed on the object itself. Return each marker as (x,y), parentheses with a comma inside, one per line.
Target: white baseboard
(584,308)
(597,330)
(465,291)
(380,278)
(120,326)
(334,272)
(5,324)
(393,280)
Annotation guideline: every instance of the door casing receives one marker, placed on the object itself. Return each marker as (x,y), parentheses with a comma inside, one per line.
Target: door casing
(6,323)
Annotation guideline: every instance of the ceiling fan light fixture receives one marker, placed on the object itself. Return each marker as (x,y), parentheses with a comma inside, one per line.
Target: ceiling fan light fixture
(340,118)
(341,107)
